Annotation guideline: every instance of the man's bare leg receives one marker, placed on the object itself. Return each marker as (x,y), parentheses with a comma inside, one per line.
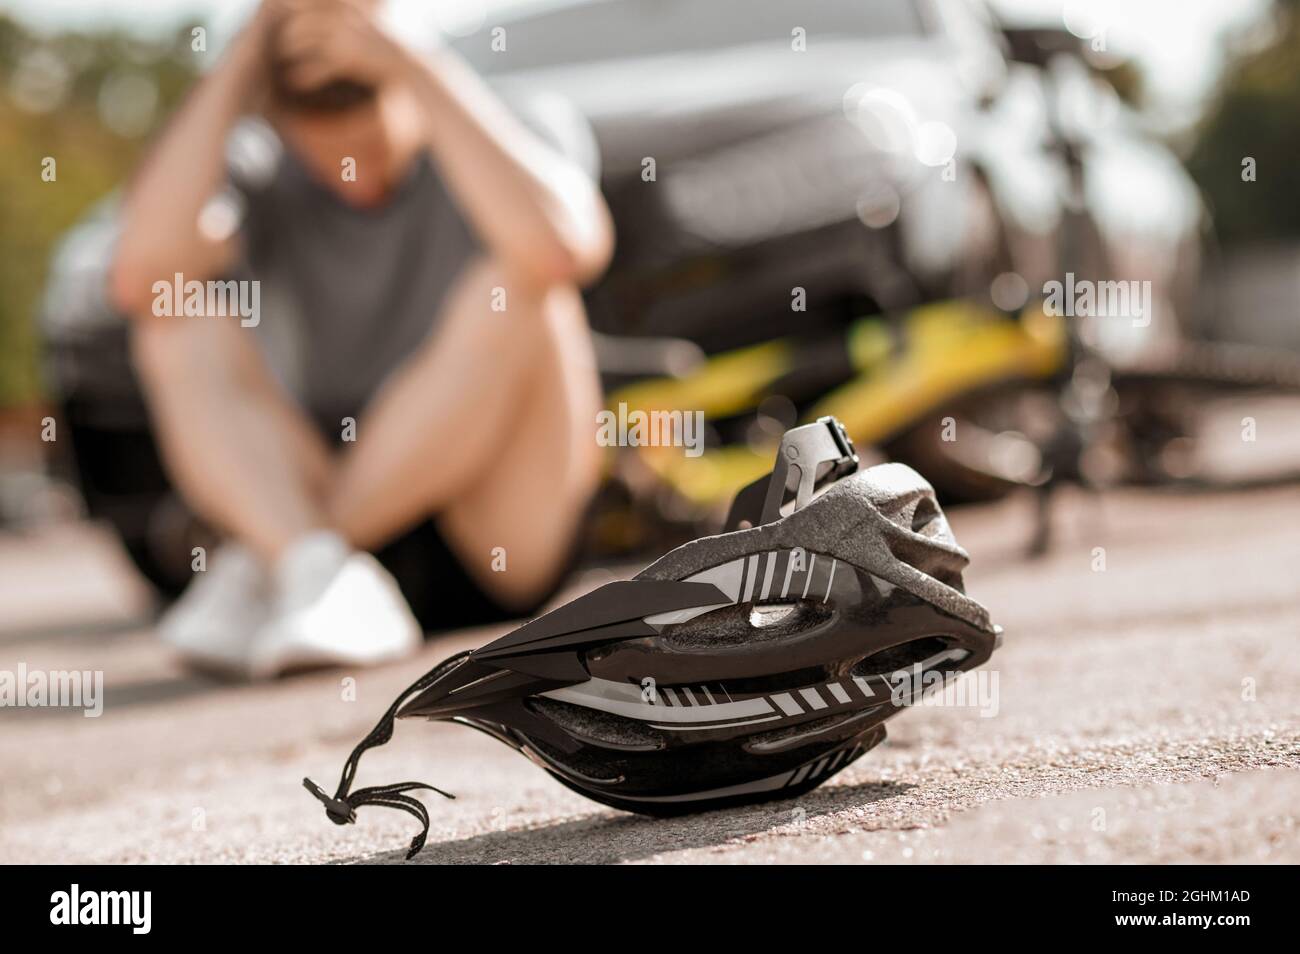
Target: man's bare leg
(490,426)
(247,459)
(244,457)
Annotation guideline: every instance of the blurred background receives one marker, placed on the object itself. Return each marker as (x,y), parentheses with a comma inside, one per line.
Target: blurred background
(921,175)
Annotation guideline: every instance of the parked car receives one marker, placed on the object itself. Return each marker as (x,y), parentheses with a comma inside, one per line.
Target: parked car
(753,146)
(876,155)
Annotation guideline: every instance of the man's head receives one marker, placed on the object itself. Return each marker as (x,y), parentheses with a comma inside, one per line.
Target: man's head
(335,96)
(332,69)
(290,94)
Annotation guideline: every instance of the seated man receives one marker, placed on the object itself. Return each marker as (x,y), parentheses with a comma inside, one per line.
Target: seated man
(421,250)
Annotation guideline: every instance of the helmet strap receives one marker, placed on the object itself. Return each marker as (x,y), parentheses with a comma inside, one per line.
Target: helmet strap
(341,809)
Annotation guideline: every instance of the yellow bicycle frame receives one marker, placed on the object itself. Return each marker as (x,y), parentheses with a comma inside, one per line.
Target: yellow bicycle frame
(948,350)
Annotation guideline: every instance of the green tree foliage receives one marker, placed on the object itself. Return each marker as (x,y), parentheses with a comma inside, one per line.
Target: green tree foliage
(56,97)
(1256,115)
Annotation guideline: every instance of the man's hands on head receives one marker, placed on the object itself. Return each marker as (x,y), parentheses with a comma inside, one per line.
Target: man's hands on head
(323,41)
(538,213)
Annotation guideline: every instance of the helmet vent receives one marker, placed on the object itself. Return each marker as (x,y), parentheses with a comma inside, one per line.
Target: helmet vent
(901,656)
(924,515)
(596,726)
(770,614)
(741,626)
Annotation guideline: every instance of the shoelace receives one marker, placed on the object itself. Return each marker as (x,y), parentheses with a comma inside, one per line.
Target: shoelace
(342,808)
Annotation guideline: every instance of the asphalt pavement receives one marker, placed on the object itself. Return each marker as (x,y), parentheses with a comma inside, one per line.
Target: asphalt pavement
(1146,711)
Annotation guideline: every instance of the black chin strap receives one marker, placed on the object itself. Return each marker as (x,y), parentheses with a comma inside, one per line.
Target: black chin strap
(342,808)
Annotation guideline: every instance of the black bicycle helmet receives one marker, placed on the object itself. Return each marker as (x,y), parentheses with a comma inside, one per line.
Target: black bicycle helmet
(741,667)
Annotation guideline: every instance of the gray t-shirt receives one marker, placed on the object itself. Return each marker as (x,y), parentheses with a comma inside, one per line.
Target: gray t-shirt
(348,293)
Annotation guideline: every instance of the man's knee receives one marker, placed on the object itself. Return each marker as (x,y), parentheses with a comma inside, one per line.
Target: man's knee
(170,353)
(530,312)
(159,350)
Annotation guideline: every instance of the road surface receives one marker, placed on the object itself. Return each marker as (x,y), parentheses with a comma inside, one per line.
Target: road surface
(1147,712)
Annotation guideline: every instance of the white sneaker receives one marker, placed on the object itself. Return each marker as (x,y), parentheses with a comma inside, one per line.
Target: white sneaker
(332,607)
(214,622)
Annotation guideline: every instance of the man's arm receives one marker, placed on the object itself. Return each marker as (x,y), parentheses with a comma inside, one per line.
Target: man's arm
(536,209)
(183,170)
(537,212)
